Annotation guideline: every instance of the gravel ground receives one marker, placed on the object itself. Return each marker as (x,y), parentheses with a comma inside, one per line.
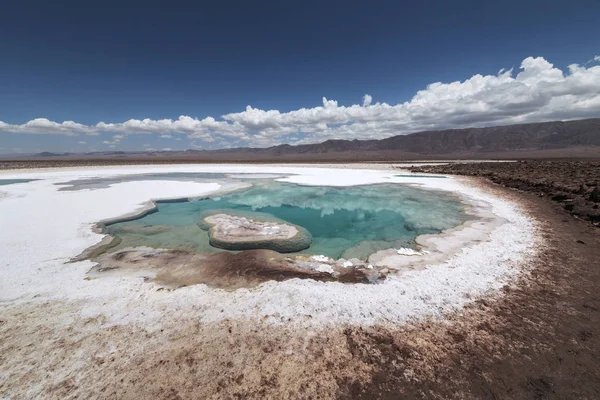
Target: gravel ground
(574,185)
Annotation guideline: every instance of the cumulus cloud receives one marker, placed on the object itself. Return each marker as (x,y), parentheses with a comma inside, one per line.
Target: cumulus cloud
(537,91)
(166,136)
(597,58)
(116,139)
(44,125)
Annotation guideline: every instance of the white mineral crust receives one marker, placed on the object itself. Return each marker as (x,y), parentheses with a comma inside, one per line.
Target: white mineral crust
(43,228)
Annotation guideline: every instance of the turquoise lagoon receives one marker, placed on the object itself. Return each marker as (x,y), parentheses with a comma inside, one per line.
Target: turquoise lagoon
(348,222)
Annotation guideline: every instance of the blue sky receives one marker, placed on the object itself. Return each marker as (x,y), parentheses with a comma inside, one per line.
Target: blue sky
(113,62)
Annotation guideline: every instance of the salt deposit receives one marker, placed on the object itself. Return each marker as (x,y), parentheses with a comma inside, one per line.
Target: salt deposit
(43,228)
(241,233)
(321,258)
(408,252)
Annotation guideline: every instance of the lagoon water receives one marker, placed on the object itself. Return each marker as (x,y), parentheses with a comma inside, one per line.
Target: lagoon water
(345,222)
(4,182)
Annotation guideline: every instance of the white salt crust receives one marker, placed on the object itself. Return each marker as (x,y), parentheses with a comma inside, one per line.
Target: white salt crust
(42,228)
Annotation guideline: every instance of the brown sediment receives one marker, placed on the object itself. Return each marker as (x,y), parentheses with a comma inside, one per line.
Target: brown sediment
(232,271)
(177,268)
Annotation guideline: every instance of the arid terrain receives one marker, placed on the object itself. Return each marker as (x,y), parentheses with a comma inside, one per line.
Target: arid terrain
(574,185)
(539,339)
(296,200)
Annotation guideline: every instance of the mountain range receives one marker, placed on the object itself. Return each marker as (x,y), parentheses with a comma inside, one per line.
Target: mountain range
(570,139)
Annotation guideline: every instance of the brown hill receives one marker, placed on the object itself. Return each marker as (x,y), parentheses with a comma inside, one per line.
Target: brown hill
(571,139)
(525,137)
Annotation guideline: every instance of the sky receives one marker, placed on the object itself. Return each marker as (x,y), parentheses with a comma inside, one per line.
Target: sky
(125,75)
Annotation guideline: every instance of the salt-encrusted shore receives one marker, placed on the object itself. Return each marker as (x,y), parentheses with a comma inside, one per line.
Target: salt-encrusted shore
(477,269)
(42,229)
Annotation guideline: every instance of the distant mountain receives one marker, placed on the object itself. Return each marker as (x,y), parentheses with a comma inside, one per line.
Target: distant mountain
(539,136)
(571,139)
(49,154)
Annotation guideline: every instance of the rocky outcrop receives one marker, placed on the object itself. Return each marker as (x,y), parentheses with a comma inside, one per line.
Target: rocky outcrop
(232,232)
(572,184)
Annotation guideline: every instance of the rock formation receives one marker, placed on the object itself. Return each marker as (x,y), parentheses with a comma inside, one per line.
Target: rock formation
(232,232)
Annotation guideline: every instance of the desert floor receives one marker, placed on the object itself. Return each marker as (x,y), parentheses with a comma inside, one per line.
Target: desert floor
(537,338)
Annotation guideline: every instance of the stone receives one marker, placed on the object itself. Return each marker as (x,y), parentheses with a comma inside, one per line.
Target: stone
(595,195)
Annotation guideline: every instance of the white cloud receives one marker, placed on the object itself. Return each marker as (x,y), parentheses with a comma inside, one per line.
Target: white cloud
(538,92)
(166,136)
(597,58)
(116,139)
(167,149)
(367,99)
(82,142)
(44,125)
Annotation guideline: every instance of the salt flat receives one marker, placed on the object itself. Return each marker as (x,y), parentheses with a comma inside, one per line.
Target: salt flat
(43,228)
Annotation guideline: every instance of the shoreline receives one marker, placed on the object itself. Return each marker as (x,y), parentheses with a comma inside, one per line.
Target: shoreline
(438,247)
(444,282)
(433,248)
(375,165)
